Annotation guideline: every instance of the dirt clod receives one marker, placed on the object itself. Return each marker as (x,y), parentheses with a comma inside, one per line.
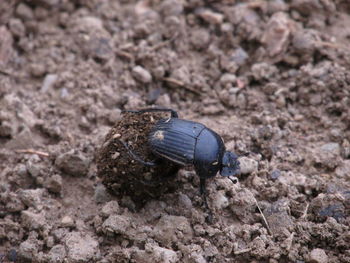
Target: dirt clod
(123,175)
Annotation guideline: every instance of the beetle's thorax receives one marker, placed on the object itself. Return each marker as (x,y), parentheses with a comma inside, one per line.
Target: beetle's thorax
(208,154)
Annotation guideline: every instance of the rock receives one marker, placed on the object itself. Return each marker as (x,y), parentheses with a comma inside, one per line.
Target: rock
(54,184)
(262,71)
(110,208)
(16,27)
(154,253)
(331,147)
(67,221)
(220,201)
(38,70)
(73,163)
(248,165)
(141,74)
(14,203)
(32,197)
(24,12)
(210,16)
(81,247)
(49,82)
(32,220)
(318,255)
(343,170)
(170,229)
(171,7)
(328,205)
(277,32)
(116,224)
(6,46)
(279,219)
(101,195)
(200,39)
(29,249)
(57,254)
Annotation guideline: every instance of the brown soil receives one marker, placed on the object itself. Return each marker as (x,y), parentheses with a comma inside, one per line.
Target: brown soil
(271,77)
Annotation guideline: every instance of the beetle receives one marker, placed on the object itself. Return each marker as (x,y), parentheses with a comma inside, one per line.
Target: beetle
(186,142)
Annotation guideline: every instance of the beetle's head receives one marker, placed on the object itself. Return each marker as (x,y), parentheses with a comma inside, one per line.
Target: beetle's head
(230,165)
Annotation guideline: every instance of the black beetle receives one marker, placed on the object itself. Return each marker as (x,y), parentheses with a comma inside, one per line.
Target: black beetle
(189,143)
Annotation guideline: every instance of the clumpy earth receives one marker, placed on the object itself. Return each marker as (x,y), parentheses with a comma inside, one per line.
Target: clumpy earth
(121,173)
(271,77)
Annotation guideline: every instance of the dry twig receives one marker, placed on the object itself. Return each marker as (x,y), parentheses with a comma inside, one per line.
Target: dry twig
(32,151)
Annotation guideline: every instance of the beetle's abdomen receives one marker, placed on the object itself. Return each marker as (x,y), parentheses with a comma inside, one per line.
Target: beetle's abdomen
(175,139)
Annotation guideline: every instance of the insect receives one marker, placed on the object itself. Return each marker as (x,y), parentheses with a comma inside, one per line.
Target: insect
(186,143)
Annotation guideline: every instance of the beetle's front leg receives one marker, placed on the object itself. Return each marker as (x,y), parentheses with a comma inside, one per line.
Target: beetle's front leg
(136,157)
(203,191)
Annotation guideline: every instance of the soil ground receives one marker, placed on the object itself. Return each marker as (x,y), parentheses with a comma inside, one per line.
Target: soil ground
(271,77)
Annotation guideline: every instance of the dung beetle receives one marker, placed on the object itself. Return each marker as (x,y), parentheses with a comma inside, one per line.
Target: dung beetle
(187,142)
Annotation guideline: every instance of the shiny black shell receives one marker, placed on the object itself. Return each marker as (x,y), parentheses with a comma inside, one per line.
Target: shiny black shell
(188,143)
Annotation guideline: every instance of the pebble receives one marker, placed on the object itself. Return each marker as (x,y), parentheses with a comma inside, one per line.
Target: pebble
(24,12)
(32,220)
(32,197)
(318,255)
(116,224)
(110,208)
(16,27)
(210,16)
(67,221)
(54,184)
(220,201)
(28,249)
(170,229)
(73,163)
(57,254)
(49,82)
(200,39)
(171,7)
(101,195)
(81,247)
(141,74)
(248,165)
(331,147)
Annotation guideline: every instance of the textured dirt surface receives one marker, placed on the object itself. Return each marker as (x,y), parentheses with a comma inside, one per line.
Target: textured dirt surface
(272,77)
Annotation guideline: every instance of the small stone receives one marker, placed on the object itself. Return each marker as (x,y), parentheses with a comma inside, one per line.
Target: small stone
(116,224)
(28,249)
(57,254)
(171,7)
(81,247)
(32,197)
(318,255)
(331,148)
(343,170)
(67,221)
(33,220)
(200,39)
(54,184)
(220,201)
(248,165)
(110,208)
(16,27)
(48,82)
(101,195)
(210,16)
(275,174)
(38,70)
(24,12)
(141,74)
(170,229)
(73,163)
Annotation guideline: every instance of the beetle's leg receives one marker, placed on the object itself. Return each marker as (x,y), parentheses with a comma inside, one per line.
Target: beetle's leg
(136,157)
(172,112)
(203,191)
